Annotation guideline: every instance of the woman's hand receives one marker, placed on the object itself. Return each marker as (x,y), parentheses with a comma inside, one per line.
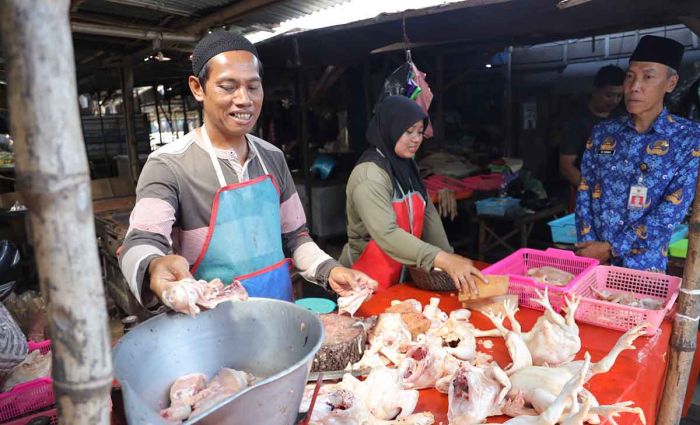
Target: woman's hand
(345,281)
(447,204)
(461,270)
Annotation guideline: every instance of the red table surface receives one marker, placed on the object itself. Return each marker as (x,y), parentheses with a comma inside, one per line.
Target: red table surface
(637,374)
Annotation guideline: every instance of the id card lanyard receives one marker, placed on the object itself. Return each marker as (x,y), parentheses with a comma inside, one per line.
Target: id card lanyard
(638,195)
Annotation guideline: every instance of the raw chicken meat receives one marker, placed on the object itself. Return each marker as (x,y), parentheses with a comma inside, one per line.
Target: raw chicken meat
(182,396)
(343,407)
(539,386)
(35,365)
(609,412)
(390,338)
(550,275)
(628,299)
(406,306)
(567,396)
(476,393)
(553,339)
(382,393)
(351,303)
(434,314)
(428,365)
(225,384)
(578,415)
(190,397)
(187,295)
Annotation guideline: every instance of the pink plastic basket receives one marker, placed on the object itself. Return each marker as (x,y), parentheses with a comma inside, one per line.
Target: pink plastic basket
(52,414)
(621,317)
(29,396)
(518,263)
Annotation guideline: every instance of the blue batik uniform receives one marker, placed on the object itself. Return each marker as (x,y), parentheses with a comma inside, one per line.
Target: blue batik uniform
(664,160)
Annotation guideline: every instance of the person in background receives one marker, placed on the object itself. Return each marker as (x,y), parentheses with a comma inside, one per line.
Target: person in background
(639,171)
(604,99)
(13,343)
(392,222)
(220,202)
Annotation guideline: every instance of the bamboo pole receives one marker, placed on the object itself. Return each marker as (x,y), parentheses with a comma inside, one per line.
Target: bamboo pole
(685,326)
(52,175)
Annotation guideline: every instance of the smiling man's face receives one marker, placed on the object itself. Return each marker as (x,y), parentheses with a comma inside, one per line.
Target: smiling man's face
(232,96)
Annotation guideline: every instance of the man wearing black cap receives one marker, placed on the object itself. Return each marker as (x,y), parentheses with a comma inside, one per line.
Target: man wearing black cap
(220,202)
(639,172)
(605,97)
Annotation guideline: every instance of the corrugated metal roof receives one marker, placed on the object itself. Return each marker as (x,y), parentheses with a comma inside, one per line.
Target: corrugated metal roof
(154,11)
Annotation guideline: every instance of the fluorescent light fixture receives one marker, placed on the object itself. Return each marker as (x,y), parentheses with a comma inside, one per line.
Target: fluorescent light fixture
(488,65)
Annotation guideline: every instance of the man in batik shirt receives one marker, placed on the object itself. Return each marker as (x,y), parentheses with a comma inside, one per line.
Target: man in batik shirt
(639,171)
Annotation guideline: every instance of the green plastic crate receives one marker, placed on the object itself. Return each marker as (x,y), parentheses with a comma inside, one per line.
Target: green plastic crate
(678,249)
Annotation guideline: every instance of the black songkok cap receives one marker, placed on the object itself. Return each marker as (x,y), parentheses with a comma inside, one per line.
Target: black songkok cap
(219,42)
(660,50)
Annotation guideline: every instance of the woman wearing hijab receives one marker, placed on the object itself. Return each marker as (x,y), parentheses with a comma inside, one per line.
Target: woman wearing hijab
(391,221)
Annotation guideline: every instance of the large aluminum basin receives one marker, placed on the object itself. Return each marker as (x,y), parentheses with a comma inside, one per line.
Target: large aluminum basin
(273,339)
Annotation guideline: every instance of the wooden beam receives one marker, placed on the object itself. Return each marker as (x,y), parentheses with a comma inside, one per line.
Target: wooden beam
(329,77)
(141,33)
(54,182)
(237,10)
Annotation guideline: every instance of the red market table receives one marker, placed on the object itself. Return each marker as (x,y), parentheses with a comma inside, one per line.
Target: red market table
(638,375)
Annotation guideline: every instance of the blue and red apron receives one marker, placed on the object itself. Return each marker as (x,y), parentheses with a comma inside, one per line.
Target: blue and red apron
(377,264)
(244,240)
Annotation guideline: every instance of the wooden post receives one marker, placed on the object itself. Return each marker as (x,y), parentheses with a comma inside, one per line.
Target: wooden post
(439,127)
(52,177)
(155,97)
(128,101)
(108,162)
(509,148)
(685,326)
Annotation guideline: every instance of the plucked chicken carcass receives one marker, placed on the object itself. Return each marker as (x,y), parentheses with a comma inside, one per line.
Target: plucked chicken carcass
(539,386)
(578,415)
(187,295)
(428,365)
(626,298)
(567,396)
(550,275)
(35,365)
(189,396)
(553,339)
(383,393)
(343,407)
(476,393)
(459,335)
(390,338)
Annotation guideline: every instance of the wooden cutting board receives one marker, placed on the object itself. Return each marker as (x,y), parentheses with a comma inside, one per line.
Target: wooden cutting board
(497,285)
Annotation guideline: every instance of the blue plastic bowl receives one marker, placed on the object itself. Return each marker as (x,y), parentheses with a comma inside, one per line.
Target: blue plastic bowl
(317,305)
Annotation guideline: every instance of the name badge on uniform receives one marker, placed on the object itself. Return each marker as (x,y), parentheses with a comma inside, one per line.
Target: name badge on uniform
(638,197)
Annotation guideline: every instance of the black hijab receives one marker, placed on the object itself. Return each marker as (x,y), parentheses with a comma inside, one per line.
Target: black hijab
(392,117)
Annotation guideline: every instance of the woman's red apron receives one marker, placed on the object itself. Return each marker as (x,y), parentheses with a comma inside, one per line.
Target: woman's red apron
(377,264)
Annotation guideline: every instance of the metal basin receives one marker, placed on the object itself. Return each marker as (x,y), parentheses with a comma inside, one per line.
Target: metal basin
(273,339)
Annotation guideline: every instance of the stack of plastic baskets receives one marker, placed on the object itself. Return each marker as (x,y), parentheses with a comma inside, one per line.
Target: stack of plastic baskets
(518,263)
(641,284)
(30,396)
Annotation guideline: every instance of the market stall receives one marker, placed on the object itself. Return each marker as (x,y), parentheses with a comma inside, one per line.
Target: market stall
(637,375)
